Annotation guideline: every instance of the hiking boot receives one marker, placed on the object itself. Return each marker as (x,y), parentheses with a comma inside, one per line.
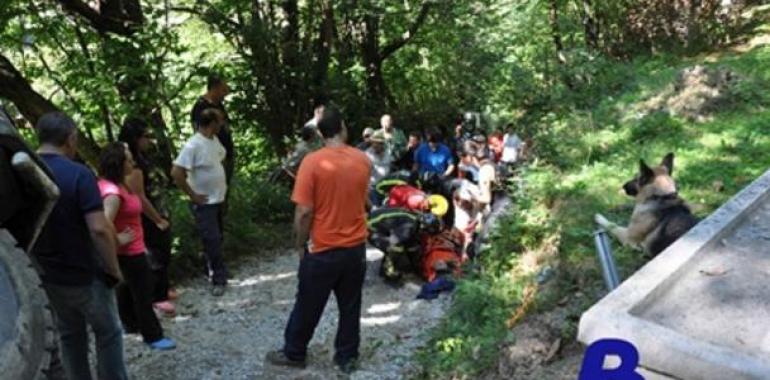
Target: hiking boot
(348,367)
(217,290)
(278,358)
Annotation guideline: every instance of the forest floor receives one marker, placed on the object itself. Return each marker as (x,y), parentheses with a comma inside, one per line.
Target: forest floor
(228,337)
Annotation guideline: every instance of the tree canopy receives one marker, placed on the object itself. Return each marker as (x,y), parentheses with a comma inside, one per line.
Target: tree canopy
(422,60)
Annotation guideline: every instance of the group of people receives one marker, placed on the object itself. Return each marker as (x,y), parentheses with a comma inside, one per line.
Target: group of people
(392,191)
(105,250)
(427,197)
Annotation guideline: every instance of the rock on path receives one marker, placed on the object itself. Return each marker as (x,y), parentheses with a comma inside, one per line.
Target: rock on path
(227,337)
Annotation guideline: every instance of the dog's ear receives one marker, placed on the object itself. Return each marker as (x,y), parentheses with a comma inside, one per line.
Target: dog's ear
(645,172)
(668,163)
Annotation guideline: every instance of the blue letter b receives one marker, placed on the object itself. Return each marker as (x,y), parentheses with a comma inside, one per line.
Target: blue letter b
(593,361)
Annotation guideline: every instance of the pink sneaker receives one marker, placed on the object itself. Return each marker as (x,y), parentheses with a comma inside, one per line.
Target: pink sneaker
(165,308)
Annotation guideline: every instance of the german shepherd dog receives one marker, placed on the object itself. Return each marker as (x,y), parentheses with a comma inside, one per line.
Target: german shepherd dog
(660,216)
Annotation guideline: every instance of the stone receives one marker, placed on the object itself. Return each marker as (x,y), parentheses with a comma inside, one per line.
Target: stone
(699,310)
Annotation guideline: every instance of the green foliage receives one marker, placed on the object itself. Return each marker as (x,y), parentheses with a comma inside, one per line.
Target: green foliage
(587,148)
(537,63)
(467,341)
(254,223)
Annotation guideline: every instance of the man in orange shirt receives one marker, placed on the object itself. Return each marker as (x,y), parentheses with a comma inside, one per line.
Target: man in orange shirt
(330,225)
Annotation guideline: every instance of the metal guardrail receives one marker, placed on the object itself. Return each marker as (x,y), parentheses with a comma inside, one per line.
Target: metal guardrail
(604,251)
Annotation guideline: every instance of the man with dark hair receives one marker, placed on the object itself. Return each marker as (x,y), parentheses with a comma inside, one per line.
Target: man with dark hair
(434,156)
(77,254)
(199,173)
(216,91)
(330,225)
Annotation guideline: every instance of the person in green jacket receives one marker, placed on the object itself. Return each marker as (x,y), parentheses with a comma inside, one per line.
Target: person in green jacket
(395,140)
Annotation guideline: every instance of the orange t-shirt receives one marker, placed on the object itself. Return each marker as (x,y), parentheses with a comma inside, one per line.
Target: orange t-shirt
(334,182)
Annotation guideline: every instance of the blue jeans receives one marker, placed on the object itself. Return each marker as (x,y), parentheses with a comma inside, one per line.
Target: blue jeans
(342,271)
(76,308)
(208,218)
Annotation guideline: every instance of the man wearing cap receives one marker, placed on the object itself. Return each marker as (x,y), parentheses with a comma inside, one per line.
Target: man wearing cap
(381,161)
(364,145)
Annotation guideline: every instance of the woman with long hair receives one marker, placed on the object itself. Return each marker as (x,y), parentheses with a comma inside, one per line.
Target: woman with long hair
(146,181)
(124,209)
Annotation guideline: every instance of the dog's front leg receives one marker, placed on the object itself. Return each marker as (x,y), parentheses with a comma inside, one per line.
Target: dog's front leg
(620,233)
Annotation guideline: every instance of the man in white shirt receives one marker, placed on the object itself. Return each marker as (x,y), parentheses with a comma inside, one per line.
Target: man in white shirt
(198,171)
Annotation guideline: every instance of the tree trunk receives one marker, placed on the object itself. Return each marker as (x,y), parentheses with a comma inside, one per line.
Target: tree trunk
(553,19)
(14,87)
(590,28)
(32,105)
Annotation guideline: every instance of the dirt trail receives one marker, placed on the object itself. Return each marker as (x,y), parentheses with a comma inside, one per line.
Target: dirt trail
(227,337)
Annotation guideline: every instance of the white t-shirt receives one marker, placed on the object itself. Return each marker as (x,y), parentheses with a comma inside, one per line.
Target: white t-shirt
(463,218)
(380,165)
(511,146)
(202,158)
(486,175)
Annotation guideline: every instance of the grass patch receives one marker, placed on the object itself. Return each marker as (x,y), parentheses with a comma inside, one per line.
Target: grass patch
(585,155)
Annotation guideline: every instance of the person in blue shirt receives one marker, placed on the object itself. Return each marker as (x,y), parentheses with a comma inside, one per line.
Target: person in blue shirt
(434,156)
(77,254)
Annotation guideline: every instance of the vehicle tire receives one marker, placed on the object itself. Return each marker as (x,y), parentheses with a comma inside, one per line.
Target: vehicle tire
(27,334)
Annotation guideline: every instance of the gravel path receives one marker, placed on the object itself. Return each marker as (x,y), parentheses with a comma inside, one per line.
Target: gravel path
(227,337)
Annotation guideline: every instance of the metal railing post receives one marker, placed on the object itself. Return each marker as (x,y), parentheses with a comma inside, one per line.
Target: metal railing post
(604,251)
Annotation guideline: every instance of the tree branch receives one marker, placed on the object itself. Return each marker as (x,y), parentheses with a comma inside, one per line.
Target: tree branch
(125,25)
(16,88)
(393,46)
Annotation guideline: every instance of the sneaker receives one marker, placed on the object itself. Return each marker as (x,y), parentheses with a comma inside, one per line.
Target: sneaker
(163,344)
(278,358)
(217,290)
(348,367)
(165,308)
(172,294)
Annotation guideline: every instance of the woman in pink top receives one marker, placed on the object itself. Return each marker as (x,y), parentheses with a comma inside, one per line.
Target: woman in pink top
(124,209)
